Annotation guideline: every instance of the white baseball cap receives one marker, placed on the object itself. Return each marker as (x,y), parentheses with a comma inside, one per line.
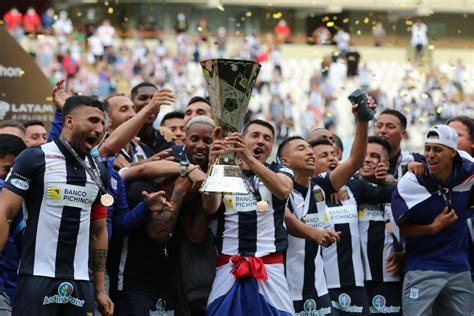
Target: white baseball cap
(447,136)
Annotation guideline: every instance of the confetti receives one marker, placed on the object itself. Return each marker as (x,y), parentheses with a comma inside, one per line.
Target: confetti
(366,20)
(277,15)
(330,24)
(248,14)
(346,20)
(110,10)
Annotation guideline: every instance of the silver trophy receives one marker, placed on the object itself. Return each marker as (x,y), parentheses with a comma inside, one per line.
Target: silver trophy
(229,84)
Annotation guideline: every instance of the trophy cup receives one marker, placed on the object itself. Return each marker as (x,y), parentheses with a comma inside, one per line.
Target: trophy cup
(229,84)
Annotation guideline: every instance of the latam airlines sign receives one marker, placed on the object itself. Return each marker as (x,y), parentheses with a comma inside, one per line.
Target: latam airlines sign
(25,92)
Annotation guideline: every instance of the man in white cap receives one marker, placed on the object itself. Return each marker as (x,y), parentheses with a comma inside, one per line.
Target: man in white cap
(431,212)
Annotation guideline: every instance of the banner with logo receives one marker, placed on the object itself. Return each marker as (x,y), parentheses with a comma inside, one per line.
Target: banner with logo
(25,92)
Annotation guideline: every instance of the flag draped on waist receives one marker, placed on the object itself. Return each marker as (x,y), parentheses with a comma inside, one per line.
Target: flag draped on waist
(250,286)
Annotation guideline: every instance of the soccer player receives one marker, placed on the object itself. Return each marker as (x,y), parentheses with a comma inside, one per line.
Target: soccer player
(307,204)
(379,236)
(251,237)
(392,126)
(61,186)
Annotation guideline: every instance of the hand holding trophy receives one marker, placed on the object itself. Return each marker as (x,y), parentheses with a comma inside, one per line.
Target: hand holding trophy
(229,83)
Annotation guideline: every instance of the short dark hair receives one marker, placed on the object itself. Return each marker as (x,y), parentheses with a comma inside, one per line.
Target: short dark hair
(134,92)
(320,141)
(465,120)
(12,123)
(285,142)
(399,115)
(172,115)
(106,102)
(32,123)
(259,122)
(338,142)
(199,99)
(76,101)
(382,142)
(11,145)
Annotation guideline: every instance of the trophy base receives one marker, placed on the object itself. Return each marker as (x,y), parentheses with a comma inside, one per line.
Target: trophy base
(225,178)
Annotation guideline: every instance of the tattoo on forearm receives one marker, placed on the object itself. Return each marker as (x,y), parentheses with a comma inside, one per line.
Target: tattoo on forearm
(99,259)
(162,224)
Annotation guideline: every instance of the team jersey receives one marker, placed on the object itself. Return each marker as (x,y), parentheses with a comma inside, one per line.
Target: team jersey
(242,230)
(58,195)
(378,235)
(307,205)
(398,164)
(343,260)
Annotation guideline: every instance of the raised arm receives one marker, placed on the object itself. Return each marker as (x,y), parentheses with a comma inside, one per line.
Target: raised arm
(341,175)
(123,134)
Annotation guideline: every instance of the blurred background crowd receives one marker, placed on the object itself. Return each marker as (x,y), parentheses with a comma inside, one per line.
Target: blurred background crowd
(305,76)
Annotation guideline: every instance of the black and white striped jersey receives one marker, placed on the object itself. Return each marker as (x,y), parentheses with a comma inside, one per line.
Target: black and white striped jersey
(343,260)
(242,230)
(304,264)
(378,233)
(58,195)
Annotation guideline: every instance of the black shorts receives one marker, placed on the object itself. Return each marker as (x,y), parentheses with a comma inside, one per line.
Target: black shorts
(350,301)
(42,296)
(137,303)
(314,306)
(385,297)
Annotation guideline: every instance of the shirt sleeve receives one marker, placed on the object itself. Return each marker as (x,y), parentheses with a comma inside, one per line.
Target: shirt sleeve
(26,166)
(283,169)
(122,218)
(56,126)
(324,181)
(365,192)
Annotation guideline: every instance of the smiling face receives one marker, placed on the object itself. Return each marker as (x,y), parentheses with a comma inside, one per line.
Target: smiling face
(375,154)
(389,127)
(259,140)
(198,142)
(120,110)
(299,156)
(196,109)
(176,126)
(439,159)
(87,127)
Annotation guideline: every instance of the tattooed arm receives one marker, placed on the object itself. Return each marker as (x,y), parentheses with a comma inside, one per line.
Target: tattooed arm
(163,217)
(99,259)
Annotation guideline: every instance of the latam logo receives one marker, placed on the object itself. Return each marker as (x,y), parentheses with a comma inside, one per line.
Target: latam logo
(6,107)
(11,72)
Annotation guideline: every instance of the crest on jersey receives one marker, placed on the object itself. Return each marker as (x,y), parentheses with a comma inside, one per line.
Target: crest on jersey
(318,195)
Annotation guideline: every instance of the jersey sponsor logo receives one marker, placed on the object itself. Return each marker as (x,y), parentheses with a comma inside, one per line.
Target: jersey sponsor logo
(54,157)
(240,202)
(318,195)
(310,309)
(64,296)
(344,304)
(371,214)
(161,309)
(20,184)
(379,306)
(343,214)
(314,220)
(60,194)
